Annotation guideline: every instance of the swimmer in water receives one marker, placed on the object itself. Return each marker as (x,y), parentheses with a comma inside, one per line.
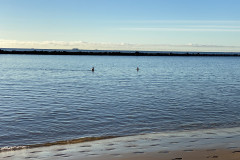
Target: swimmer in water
(92,69)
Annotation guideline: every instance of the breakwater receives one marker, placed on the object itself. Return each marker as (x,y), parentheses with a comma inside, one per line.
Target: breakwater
(112,52)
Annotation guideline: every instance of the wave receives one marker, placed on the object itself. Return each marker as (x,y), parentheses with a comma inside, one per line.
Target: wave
(64,142)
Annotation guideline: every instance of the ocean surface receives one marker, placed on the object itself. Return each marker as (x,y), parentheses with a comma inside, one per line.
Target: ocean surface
(48,98)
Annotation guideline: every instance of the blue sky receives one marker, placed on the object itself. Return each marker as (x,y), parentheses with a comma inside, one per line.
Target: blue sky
(186,25)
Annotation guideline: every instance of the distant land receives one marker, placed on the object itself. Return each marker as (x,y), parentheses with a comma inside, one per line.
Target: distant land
(76,51)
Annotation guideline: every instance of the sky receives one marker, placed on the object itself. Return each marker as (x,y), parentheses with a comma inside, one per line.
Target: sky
(157,25)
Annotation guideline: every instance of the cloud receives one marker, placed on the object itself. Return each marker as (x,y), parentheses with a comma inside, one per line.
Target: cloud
(183,29)
(182,22)
(61,44)
(40,44)
(182,25)
(115,46)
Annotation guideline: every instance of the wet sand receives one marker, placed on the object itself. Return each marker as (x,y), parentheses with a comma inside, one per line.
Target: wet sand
(221,144)
(209,154)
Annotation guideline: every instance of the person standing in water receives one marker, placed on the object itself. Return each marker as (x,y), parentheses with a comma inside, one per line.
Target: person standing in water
(137,69)
(92,69)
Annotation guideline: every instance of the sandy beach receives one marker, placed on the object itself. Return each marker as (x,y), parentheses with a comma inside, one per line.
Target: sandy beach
(220,144)
(208,154)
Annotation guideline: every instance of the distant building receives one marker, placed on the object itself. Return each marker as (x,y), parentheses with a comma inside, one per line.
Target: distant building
(75,49)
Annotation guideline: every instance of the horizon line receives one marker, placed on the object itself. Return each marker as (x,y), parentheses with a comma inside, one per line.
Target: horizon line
(115,50)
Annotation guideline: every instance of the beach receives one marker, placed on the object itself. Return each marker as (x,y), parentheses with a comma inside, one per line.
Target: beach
(219,154)
(119,80)
(221,144)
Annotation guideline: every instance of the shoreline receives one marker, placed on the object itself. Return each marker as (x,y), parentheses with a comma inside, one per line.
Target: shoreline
(113,52)
(147,146)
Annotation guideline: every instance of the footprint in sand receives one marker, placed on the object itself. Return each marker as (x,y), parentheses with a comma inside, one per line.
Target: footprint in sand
(85,151)
(192,141)
(155,140)
(230,137)
(110,149)
(31,157)
(85,146)
(93,154)
(8,156)
(62,149)
(152,145)
(210,133)
(131,146)
(35,151)
(111,144)
(209,138)
(188,150)
(138,152)
(212,157)
(209,150)
(164,152)
(174,142)
(59,155)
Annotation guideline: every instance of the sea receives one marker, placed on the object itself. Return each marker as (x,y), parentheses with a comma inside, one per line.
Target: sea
(50,98)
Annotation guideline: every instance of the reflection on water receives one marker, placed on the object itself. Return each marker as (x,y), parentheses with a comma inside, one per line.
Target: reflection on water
(51,98)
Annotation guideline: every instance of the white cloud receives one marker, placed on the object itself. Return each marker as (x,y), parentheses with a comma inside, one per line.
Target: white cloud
(183,22)
(40,44)
(183,25)
(115,46)
(183,29)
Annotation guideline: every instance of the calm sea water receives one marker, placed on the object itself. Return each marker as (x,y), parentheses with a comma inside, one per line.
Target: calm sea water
(47,98)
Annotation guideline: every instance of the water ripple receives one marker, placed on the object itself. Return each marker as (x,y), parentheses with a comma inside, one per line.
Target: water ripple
(50,98)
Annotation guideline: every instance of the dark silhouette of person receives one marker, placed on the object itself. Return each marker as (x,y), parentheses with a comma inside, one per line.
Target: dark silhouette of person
(92,69)
(137,69)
